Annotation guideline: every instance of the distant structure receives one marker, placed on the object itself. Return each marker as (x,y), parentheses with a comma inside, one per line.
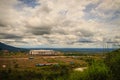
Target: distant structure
(43,52)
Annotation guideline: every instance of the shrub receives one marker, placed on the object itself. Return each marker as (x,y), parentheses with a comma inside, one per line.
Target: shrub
(97,71)
(113,62)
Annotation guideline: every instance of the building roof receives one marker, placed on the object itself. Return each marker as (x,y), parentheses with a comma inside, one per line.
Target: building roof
(41,50)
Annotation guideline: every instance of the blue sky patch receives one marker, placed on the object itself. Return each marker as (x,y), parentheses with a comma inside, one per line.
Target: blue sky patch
(30,3)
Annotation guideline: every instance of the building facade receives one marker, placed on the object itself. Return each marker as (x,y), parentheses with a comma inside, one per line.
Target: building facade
(42,52)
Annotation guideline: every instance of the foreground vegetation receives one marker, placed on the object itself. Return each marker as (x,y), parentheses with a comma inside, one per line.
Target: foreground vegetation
(106,68)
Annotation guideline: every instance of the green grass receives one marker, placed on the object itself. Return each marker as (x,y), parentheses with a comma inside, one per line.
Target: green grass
(113,62)
(97,71)
(40,73)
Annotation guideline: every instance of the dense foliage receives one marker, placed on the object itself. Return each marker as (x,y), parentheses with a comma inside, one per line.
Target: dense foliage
(108,69)
(97,71)
(113,62)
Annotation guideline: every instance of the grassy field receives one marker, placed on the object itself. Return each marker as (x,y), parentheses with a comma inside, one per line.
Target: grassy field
(25,62)
(22,66)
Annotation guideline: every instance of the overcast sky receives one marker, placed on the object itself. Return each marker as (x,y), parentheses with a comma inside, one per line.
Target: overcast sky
(60,23)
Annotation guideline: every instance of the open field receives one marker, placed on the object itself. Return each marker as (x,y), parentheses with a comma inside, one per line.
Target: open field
(25,62)
(21,60)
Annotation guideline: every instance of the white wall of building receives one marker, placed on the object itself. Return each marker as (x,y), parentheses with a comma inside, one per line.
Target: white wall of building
(42,52)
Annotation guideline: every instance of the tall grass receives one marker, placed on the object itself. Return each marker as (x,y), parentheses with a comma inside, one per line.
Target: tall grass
(113,62)
(41,73)
(97,71)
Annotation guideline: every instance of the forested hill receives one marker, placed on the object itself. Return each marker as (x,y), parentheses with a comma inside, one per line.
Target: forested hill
(10,48)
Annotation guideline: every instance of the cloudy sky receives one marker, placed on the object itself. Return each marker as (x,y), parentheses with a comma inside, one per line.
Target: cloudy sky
(60,23)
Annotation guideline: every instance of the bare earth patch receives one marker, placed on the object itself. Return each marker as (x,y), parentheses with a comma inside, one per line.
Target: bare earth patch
(80,69)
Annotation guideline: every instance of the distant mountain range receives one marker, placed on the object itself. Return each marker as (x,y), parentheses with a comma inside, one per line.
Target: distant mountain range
(10,48)
(84,50)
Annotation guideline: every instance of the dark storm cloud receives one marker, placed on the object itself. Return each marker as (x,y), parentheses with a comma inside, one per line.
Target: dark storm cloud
(8,36)
(60,31)
(110,42)
(20,41)
(2,24)
(86,33)
(84,40)
(117,37)
(114,40)
(10,42)
(71,42)
(52,41)
(40,30)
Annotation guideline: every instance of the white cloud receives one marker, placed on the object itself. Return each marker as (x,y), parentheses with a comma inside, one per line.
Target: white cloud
(107,9)
(55,23)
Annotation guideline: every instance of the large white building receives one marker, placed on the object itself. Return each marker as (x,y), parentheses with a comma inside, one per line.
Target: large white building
(42,52)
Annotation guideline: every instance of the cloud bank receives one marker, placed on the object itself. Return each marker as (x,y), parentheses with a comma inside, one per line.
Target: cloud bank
(60,23)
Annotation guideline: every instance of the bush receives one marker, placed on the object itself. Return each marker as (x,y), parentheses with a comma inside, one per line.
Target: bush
(42,73)
(113,62)
(97,71)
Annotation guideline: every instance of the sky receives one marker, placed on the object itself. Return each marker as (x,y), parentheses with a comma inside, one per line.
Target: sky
(60,23)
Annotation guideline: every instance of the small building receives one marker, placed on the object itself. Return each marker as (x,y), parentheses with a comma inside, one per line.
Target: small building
(45,64)
(42,52)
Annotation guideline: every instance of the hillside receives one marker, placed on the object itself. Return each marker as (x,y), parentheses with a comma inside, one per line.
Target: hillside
(10,48)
